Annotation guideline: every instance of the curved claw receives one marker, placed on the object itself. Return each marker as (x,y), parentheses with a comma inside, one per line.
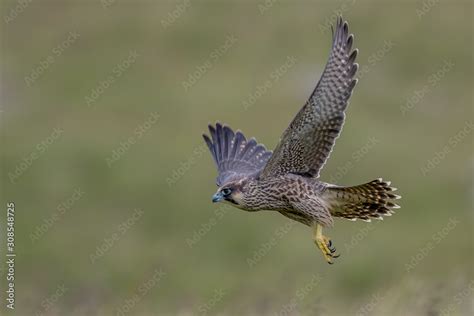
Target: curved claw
(331,247)
(326,247)
(324,244)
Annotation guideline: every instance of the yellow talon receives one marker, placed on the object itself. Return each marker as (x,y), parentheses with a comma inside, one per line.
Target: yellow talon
(324,244)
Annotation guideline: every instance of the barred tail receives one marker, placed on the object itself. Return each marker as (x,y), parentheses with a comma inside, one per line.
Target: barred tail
(365,201)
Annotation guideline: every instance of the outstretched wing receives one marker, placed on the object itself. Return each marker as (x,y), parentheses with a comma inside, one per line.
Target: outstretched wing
(307,142)
(234,155)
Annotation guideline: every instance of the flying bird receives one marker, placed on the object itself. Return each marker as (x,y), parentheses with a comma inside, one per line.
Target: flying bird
(252,178)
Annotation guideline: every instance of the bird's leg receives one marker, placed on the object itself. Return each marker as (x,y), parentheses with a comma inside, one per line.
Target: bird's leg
(324,243)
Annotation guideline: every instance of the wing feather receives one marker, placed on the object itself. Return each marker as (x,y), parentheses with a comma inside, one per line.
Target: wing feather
(307,143)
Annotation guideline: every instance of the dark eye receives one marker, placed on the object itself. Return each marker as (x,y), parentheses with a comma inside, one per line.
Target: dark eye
(226,191)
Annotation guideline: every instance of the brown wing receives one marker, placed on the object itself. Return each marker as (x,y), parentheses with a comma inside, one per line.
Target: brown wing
(235,156)
(307,142)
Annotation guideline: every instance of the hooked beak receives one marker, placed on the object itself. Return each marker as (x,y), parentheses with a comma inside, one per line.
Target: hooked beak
(217,197)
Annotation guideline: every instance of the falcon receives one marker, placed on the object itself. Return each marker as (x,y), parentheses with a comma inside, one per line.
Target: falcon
(252,178)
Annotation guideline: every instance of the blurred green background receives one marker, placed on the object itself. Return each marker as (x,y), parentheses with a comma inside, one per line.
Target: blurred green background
(102,110)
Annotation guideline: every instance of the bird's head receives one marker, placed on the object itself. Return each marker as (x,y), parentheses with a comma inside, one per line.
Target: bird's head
(231,193)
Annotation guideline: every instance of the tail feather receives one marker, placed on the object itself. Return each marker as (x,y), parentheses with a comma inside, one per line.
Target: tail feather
(366,201)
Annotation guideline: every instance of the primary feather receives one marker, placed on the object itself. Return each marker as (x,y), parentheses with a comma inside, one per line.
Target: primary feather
(234,155)
(307,143)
